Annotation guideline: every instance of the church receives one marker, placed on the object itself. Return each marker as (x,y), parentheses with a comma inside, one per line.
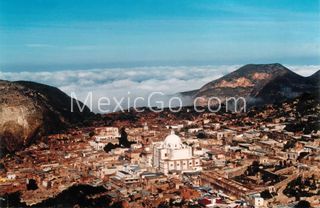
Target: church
(172,155)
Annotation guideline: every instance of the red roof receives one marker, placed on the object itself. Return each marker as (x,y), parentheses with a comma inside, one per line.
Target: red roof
(204,201)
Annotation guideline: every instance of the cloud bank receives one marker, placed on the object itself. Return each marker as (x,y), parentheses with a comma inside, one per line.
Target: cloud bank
(130,83)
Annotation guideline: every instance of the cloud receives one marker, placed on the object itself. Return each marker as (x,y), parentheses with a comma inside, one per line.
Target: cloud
(304,70)
(131,83)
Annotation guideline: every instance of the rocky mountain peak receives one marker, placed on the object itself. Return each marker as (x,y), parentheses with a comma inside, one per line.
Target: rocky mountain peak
(263,82)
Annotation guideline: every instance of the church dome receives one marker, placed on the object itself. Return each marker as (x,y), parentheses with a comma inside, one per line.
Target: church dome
(172,141)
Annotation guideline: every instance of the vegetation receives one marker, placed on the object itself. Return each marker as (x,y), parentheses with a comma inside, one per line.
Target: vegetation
(301,187)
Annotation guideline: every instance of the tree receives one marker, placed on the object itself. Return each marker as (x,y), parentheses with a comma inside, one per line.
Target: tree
(123,140)
(303,204)
(32,185)
(266,194)
(164,204)
(91,134)
(201,135)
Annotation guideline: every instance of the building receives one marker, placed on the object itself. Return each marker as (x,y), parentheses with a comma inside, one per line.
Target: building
(11,176)
(129,174)
(172,155)
(106,133)
(103,136)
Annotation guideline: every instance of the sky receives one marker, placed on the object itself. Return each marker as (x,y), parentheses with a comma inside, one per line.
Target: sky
(55,35)
(114,48)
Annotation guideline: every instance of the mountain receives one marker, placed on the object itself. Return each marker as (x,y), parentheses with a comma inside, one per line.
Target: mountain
(315,78)
(258,84)
(29,110)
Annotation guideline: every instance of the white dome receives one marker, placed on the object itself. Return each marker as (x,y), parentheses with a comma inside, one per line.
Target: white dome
(172,141)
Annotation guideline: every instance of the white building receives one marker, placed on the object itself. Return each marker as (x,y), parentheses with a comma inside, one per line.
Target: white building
(11,176)
(103,136)
(129,174)
(256,200)
(97,145)
(106,133)
(173,155)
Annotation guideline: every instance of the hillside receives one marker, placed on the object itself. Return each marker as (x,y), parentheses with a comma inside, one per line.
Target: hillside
(259,84)
(30,110)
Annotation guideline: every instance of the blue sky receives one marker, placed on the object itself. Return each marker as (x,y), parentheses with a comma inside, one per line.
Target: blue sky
(39,35)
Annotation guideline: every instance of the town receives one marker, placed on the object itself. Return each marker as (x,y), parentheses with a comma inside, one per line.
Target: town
(253,159)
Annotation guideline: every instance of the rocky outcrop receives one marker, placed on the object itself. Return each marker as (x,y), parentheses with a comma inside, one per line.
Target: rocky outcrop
(30,110)
(239,82)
